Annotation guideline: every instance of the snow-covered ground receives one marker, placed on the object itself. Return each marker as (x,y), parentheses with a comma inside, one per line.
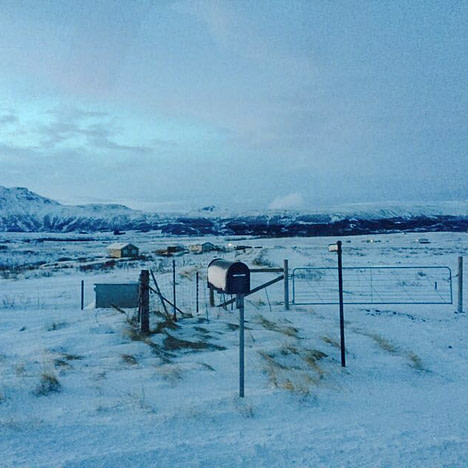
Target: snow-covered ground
(82,388)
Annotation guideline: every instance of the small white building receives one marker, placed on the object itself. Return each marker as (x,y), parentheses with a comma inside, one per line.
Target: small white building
(122,249)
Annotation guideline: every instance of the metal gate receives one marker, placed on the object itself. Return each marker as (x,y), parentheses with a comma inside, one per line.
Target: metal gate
(374,285)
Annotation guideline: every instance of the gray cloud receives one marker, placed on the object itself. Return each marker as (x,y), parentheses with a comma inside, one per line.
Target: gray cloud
(89,129)
(8,117)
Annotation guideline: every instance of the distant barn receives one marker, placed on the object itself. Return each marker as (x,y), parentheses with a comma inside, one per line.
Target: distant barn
(202,248)
(122,249)
(172,251)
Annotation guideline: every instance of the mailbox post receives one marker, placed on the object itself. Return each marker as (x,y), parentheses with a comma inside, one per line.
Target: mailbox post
(232,278)
(240,306)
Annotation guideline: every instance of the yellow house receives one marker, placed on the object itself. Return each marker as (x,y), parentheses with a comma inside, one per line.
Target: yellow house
(122,249)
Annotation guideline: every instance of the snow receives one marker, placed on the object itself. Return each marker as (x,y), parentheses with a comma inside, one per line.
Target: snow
(124,401)
(119,245)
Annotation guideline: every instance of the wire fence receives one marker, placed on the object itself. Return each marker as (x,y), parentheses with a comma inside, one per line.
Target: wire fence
(187,294)
(373,285)
(191,293)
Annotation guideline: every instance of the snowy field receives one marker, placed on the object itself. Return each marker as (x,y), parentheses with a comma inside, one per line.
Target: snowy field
(81,388)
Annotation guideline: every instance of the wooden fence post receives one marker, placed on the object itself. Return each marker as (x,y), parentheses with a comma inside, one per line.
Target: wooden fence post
(212,297)
(286,284)
(144,302)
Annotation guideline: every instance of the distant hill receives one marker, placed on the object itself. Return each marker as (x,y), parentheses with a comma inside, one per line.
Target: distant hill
(24,211)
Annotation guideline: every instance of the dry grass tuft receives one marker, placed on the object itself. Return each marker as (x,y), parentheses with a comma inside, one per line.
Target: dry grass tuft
(312,357)
(171,373)
(57,326)
(156,349)
(62,363)
(20,370)
(48,384)
(302,384)
(293,368)
(415,361)
(272,362)
(269,325)
(129,359)
(382,342)
(385,344)
(72,357)
(134,334)
(331,341)
(171,343)
(162,326)
(288,349)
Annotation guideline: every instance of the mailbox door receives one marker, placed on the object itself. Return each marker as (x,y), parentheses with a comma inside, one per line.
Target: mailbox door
(238,279)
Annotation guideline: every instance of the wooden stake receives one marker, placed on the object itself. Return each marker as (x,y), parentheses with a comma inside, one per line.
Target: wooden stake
(144,302)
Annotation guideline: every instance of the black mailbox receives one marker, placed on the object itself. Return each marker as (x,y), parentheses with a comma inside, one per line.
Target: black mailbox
(229,277)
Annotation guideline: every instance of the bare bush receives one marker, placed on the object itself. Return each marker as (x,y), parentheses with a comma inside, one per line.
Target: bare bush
(48,384)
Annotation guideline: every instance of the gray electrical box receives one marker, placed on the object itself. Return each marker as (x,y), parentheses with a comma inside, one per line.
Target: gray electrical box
(229,277)
(120,295)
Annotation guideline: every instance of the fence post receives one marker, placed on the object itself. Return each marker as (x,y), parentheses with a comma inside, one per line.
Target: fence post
(212,297)
(174,316)
(197,280)
(82,294)
(144,301)
(286,284)
(460,285)
(340,293)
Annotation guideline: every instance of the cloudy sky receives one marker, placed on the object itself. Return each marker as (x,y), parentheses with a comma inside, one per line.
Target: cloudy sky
(163,104)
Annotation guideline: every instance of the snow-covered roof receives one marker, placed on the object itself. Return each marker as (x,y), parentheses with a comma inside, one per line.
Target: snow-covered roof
(120,245)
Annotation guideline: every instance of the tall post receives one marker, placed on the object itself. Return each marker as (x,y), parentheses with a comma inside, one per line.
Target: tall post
(144,301)
(340,287)
(82,294)
(240,306)
(174,302)
(197,295)
(460,285)
(212,297)
(286,284)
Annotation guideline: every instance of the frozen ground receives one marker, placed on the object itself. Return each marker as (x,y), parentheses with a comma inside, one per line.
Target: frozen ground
(81,388)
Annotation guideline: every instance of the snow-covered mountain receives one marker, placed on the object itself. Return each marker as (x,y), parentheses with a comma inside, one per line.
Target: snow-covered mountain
(19,200)
(23,210)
